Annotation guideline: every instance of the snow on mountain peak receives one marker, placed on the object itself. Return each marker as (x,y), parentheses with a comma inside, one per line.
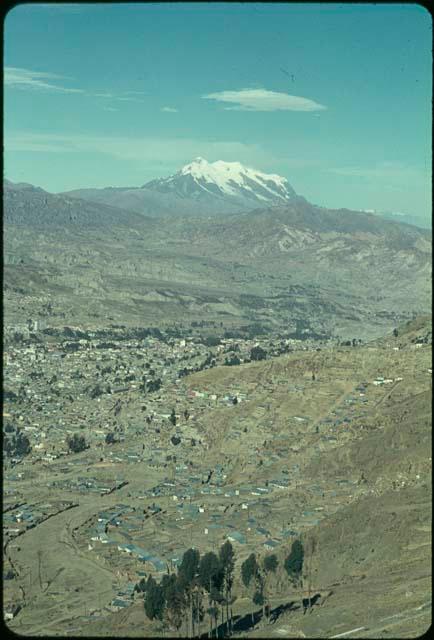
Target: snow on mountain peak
(230,176)
(238,186)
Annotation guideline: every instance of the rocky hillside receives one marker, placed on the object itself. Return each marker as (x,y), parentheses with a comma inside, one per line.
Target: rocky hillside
(337,272)
(29,206)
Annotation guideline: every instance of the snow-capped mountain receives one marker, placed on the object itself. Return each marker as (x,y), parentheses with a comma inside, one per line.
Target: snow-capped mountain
(225,184)
(200,188)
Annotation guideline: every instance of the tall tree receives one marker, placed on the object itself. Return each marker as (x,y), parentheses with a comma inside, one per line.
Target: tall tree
(249,574)
(248,569)
(227,561)
(310,548)
(198,610)
(270,564)
(294,563)
(154,600)
(175,601)
(211,577)
(258,597)
(188,576)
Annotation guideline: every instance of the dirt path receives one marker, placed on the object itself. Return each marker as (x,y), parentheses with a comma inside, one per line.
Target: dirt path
(386,395)
(384,624)
(47,552)
(349,388)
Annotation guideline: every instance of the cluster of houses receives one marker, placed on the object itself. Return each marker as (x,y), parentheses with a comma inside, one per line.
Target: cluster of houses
(53,391)
(21,516)
(98,387)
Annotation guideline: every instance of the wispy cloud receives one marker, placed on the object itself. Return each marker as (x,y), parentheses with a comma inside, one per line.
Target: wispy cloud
(264,100)
(19,78)
(27,79)
(168,154)
(125,98)
(110,109)
(169,110)
(103,94)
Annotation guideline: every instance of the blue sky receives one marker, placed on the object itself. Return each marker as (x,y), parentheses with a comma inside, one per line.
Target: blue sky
(337,98)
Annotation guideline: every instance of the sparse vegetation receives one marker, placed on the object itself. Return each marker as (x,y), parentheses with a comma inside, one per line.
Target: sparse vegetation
(110,438)
(76,443)
(257,353)
(16,443)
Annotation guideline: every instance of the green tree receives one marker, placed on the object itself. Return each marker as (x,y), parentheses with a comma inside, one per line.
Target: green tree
(259,595)
(258,598)
(211,577)
(154,600)
(270,564)
(310,548)
(153,385)
(213,613)
(258,353)
(76,443)
(175,600)
(17,445)
(140,586)
(188,574)
(110,438)
(198,609)
(227,562)
(294,563)
(250,573)
(249,569)
(96,391)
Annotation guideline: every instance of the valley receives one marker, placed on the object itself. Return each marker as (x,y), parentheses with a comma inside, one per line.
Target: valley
(328,444)
(217,320)
(258,379)
(296,268)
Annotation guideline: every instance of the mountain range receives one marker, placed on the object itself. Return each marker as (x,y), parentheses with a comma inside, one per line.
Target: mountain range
(284,263)
(202,188)
(198,188)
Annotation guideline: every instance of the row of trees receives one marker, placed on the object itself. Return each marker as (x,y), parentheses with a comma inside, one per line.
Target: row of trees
(256,353)
(256,573)
(16,443)
(203,588)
